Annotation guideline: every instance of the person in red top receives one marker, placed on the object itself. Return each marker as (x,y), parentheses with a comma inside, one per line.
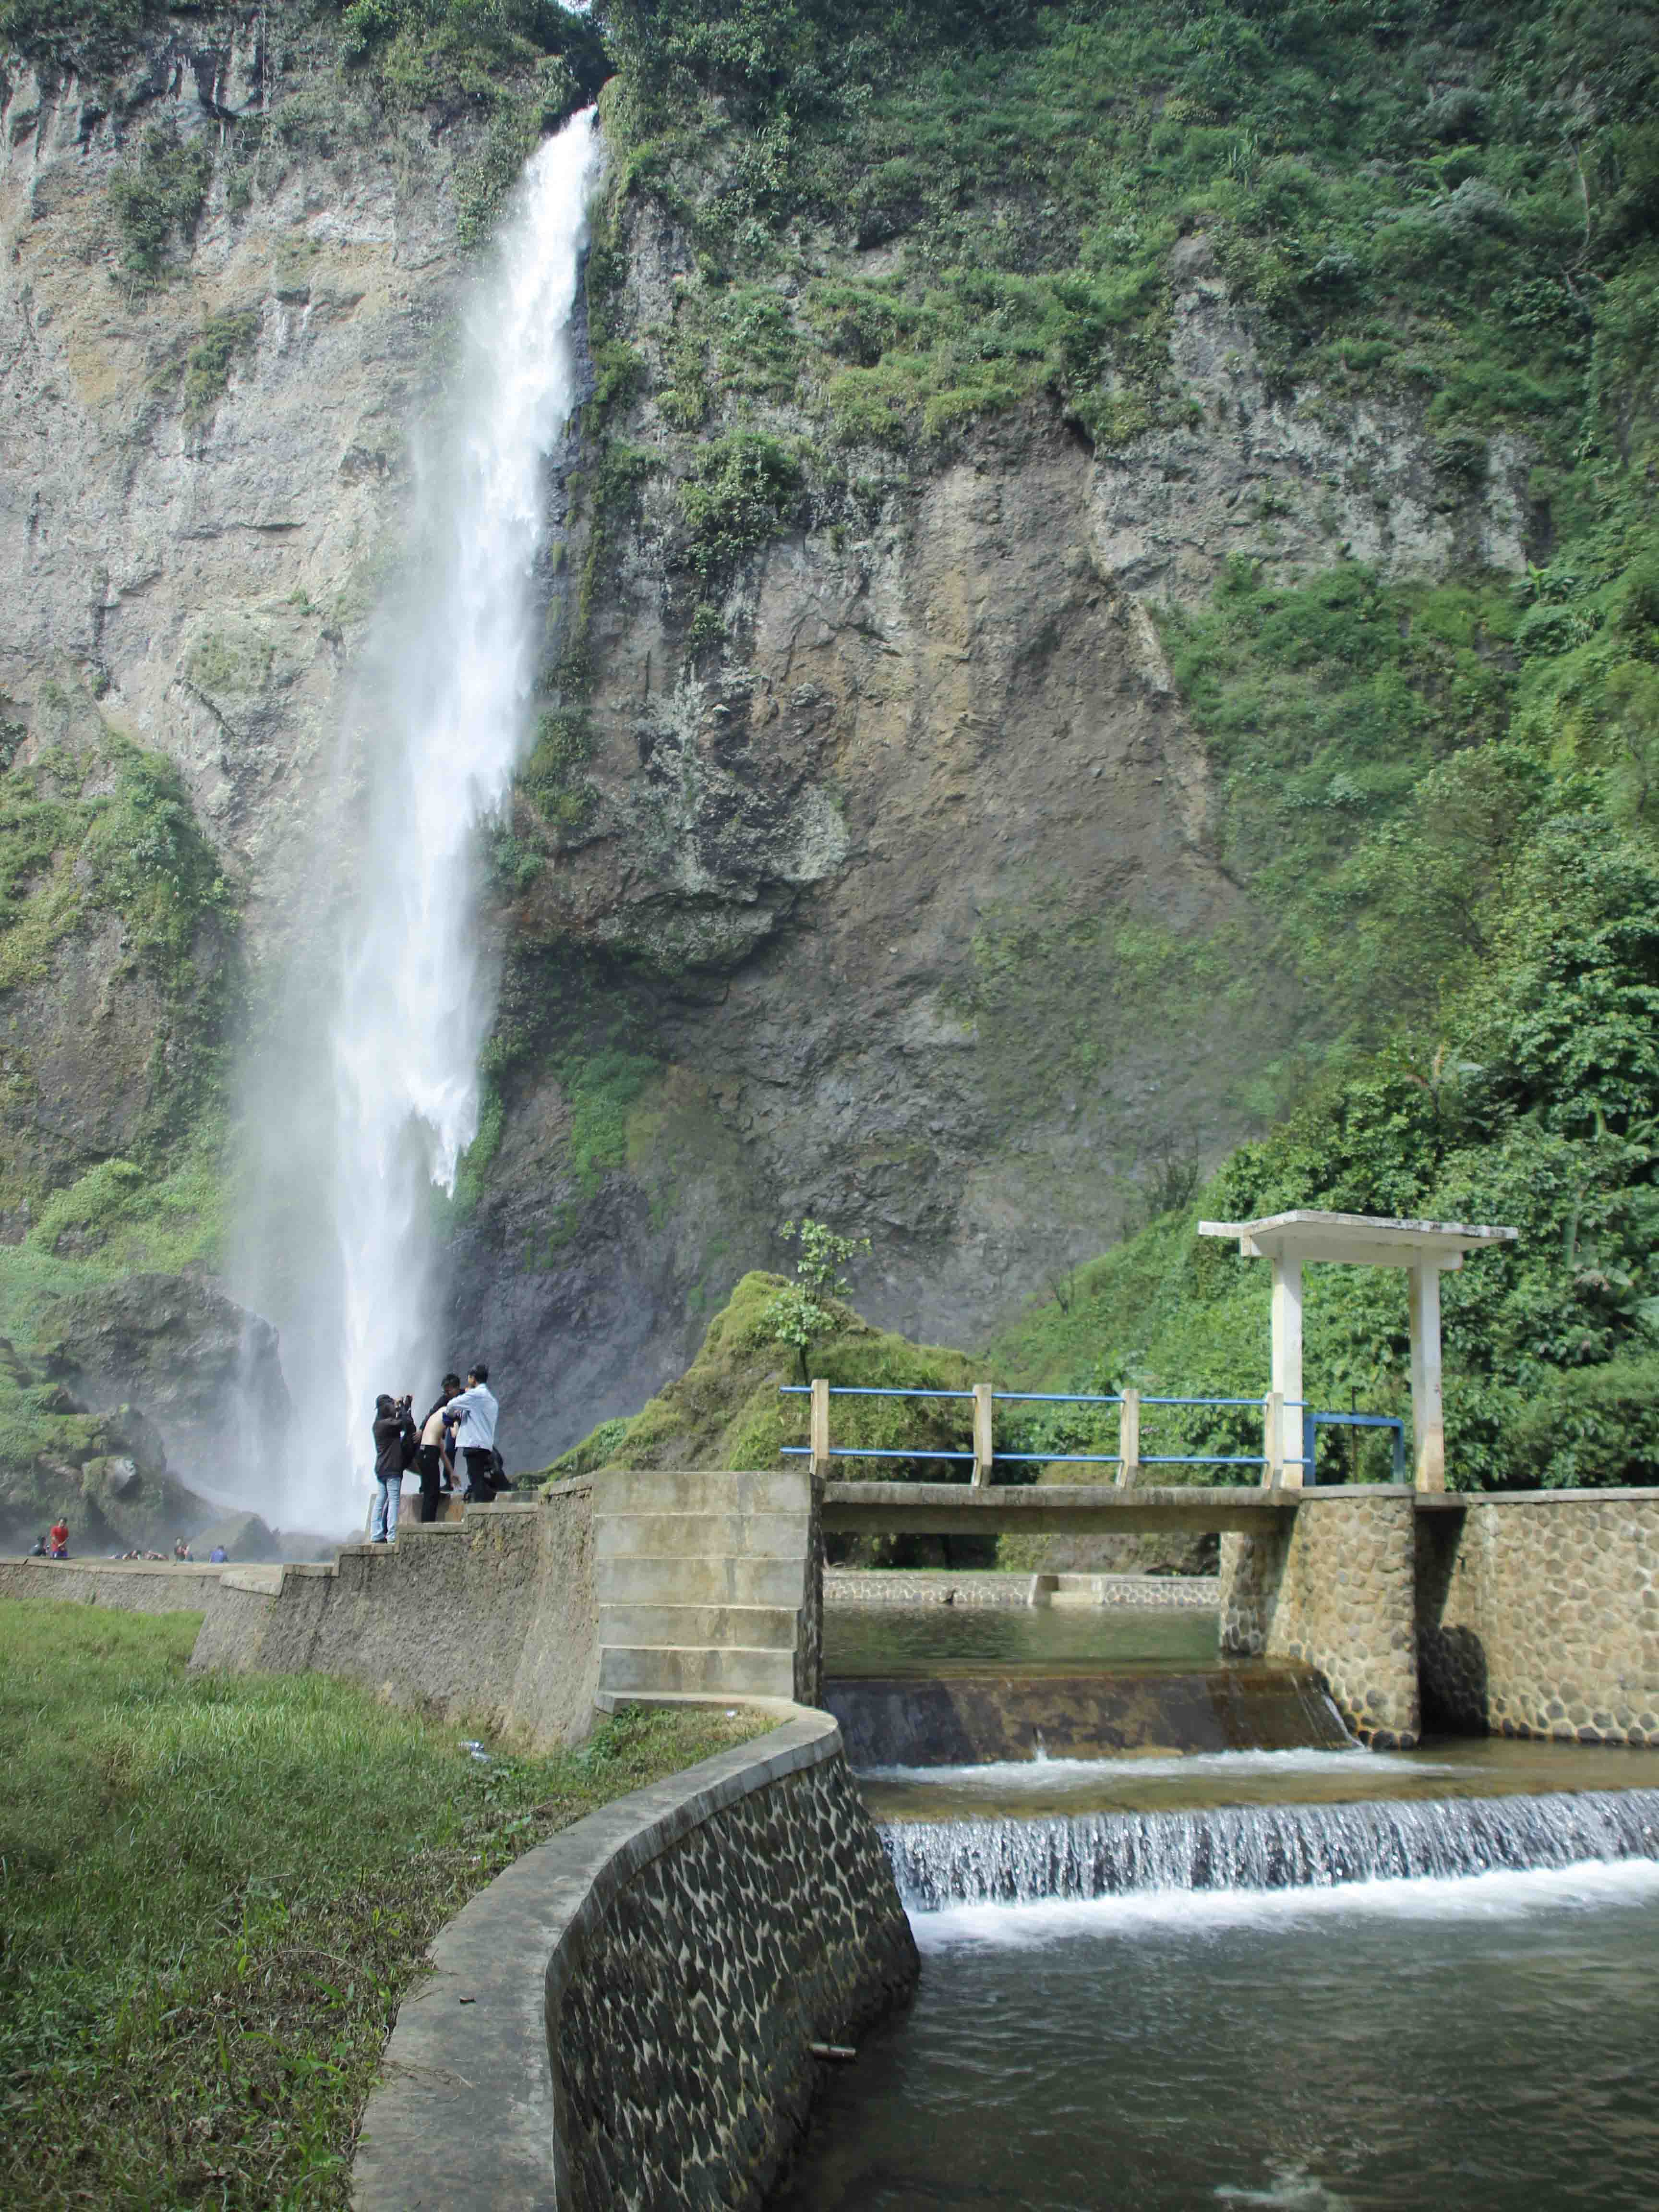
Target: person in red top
(58,1541)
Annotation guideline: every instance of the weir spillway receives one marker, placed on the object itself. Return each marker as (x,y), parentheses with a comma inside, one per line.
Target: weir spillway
(1261,1847)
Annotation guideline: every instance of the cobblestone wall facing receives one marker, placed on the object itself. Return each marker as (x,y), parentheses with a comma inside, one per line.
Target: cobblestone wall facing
(1538,1615)
(681,2021)
(989,1586)
(1337,1591)
(625,2016)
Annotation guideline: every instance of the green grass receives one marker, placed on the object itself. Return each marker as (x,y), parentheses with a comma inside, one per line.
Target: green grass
(215,1892)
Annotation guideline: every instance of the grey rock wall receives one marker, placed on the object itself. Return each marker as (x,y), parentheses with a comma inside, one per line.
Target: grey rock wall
(682,2021)
(489,1619)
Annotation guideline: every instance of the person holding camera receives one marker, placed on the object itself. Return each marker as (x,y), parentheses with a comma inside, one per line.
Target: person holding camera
(394,1444)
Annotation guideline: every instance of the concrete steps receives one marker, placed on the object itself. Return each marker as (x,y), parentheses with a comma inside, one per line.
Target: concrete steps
(699,1579)
(705,1535)
(725,1672)
(676,1627)
(641,1578)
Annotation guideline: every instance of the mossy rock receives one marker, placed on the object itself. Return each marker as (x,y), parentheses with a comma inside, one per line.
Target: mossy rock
(729,1410)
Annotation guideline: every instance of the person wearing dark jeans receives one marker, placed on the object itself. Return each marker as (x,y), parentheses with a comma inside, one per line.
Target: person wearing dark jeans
(476,1410)
(430,1458)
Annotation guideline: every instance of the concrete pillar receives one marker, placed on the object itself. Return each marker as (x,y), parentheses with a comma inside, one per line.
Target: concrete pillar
(1273,1440)
(818,1433)
(1428,1413)
(1128,1437)
(1287,1376)
(1287,1331)
(983,1447)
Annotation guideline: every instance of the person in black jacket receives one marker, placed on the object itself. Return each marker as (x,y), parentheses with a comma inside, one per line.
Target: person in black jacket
(394,1437)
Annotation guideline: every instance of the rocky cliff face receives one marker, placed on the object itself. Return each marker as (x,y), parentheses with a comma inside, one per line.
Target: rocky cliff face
(877,877)
(905,892)
(223,275)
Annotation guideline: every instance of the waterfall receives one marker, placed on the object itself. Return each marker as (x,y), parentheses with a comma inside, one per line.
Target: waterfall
(377,1105)
(1255,1847)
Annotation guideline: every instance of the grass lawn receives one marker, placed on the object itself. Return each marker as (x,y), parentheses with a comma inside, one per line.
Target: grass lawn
(213,1893)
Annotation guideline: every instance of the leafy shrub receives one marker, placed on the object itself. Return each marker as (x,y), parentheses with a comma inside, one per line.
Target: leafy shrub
(157,199)
(207,366)
(746,489)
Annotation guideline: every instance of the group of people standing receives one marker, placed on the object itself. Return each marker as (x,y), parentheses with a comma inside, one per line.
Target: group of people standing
(456,1439)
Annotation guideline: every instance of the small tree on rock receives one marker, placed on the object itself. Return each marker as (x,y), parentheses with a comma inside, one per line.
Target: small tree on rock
(798,1315)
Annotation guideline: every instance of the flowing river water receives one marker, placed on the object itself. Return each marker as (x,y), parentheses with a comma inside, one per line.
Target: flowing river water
(1310,1977)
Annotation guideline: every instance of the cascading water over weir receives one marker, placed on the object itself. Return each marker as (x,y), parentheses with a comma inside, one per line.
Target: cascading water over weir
(1192,1959)
(1263,1847)
(391,1053)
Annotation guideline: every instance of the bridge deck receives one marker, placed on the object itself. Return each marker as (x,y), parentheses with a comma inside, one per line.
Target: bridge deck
(1053,1508)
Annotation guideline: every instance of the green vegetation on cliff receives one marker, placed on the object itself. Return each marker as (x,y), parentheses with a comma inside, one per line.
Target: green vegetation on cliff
(217,1891)
(1422,198)
(728,1409)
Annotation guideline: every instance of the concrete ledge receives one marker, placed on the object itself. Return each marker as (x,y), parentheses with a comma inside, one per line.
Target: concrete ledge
(130,1585)
(464,2119)
(1459,1501)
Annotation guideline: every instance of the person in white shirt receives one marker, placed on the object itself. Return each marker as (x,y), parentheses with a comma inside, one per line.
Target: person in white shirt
(477,1413)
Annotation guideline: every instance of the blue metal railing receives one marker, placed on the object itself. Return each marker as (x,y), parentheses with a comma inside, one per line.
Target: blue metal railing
(1065,1459)
(1312,1423)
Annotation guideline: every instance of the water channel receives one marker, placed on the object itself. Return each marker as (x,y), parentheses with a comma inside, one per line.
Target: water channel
(1305,1976)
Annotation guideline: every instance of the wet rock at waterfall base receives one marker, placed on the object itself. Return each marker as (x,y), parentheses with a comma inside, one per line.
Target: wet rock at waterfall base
(206,1372)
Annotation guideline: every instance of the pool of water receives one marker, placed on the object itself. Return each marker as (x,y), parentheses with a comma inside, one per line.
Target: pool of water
(1484,2043)
(861,1641)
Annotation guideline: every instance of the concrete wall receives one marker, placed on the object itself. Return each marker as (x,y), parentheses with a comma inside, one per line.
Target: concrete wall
(1538,1614)
(625,2016)
(489,1619)
(1336,1589)
(133,1585)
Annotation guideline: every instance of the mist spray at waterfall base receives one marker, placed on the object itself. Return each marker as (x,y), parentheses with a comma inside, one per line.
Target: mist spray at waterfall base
(369,1096)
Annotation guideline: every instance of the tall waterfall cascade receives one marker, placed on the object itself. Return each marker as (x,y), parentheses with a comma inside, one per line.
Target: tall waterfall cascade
(1258,1847)
(391,1087)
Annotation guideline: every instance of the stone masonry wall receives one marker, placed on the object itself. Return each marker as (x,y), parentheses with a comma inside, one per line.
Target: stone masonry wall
(624,2017)
(1538,1615)
(681,2025)
(1337,1591)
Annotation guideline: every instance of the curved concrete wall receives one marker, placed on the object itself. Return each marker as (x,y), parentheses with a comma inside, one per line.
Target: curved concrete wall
(626,2017)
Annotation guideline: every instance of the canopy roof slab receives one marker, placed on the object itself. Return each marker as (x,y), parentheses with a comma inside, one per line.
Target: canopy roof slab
(1425,1249)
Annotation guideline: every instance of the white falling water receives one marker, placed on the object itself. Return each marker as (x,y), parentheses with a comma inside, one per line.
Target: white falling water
(447,727)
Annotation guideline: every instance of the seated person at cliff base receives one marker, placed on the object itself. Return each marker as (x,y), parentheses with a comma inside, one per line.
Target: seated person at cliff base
(58,1541)
(477,1413)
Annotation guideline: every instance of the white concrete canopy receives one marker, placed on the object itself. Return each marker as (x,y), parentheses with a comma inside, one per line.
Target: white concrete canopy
(1427,1248)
